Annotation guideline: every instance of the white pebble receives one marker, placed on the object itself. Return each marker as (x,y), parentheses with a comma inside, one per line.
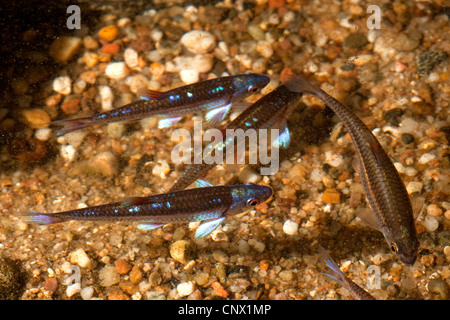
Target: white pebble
(115,130)
(73,289)
(161,169)
(198,41)
(107,97)
(116,70)
(43,134)
(290,227)
(86,293)
(265,49)
(189,76)
(75,138)
(414,186)
(411,171)
(79,257)
(430,223)
(108,276)
(68,152)
(316,175)
(136,82)
(426,157)
(201,63)
(62,85)
(156,35)
(333,159)
(409,125)
(131,57)
(400,167)
(185,288)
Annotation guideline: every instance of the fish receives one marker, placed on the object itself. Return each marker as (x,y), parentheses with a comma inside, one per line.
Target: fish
(210,204)
(266,112)
(392,212)
(356,291)
(215,96)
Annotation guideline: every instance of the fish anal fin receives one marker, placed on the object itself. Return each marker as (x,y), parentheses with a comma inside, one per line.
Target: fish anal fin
(216,115)
(207,227)
(149,226)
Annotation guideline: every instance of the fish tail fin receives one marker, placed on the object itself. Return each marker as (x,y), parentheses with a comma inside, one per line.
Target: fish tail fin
(338,274)
(70,125)
(43,218)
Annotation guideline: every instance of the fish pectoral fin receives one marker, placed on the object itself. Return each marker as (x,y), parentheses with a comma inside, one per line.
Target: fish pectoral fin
(284,138)
(168,122)
(368,216)
(149,226)
(207,227)
(216,115)
(417,203)
(199,183)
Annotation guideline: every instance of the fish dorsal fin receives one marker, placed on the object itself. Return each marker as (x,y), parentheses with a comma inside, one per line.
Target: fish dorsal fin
(216,115)
(151,94)
(368,216)
(135,201)
(417,203)
(207,227)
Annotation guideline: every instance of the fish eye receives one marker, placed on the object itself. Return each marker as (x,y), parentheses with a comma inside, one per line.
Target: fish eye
(253,202)
(394,247)
(253,89)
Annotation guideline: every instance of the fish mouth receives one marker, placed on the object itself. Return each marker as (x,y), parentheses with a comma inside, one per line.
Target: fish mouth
(408,260)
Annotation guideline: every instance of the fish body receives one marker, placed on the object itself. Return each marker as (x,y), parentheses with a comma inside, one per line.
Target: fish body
(210,204)
(215,96)
(262,114)
(387,196)
(356,291)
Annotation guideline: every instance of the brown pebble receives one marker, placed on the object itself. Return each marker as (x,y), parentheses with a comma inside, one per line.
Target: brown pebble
(71,106)
(196,295)
(64,48)
(51,284)
(276,3)
(122,266)
(36,118)
(129,287)
(118,295)
(331,196)
(112,48)
(136,275)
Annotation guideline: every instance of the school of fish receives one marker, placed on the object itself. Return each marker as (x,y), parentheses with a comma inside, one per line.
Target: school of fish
(392,211)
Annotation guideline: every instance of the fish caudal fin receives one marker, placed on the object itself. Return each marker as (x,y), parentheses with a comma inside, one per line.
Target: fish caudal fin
(43,218)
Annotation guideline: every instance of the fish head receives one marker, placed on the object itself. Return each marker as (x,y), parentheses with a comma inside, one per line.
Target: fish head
(248,84)
(405,247)
(248,196)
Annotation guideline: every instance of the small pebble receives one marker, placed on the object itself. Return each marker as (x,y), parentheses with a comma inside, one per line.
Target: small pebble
(182,251)
(286,275)
(117,70)
(290,227)
(107,97)
(131,58)
(71,107)
(189,76)
(198,41)
(414,186)
(426,157)
(68,152)
(104,163)
(109,33)
(430,223)
(333,159)
(62,85)
(426,61)
(407,41)
(51,284)
(331,196)
(64,48)
(434,210)
(80,258)
(185,288)
(87,293)
(108,276)
(73,289)
(407,138)
(355,40)
(35,118)
(122,266)
(439,287)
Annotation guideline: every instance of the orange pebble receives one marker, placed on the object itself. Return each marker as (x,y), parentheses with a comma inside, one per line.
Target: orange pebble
(109,33)
(111,48)
(276,3)
(219,290)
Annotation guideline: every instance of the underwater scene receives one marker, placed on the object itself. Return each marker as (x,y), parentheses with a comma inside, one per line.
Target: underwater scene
(225,150)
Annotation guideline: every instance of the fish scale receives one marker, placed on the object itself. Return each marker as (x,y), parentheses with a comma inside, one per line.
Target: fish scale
(382,184)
